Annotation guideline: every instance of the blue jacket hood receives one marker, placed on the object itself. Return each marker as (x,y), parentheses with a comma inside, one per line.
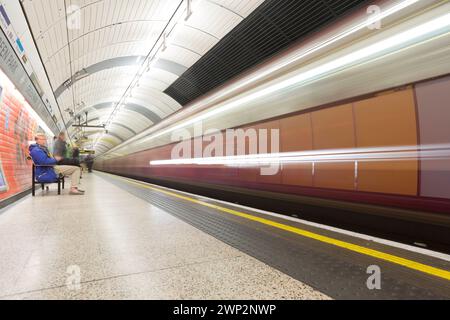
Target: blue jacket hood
(33,146)
(44,162)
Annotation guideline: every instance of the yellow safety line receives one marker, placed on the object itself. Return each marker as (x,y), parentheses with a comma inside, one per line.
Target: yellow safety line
(342,244)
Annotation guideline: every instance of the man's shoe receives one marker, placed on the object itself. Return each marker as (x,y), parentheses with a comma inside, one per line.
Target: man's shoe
(76,193)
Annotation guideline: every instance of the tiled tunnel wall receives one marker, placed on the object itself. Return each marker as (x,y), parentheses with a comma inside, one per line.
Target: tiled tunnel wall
(16,129)
(416,114)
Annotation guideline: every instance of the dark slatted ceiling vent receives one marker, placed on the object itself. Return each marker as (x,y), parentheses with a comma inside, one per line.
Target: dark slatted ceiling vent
(272,27)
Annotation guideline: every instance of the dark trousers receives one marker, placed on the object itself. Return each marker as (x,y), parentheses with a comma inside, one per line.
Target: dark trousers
(69,162)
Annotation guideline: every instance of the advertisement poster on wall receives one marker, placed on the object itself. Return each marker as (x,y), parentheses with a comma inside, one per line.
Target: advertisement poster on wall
(3,186)
(17,128)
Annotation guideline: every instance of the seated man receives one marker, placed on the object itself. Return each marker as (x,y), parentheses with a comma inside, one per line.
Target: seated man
(41,157)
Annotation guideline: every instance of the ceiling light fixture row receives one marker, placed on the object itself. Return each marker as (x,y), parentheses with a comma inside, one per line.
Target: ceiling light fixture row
(180,18)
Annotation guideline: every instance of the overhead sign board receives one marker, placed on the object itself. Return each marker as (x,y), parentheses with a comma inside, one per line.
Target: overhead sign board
(11,66)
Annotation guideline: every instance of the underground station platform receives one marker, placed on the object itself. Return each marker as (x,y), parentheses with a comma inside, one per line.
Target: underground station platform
(225,158)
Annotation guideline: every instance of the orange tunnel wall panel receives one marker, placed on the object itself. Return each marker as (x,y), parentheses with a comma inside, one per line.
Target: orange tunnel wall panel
(393,177)
(333,128)
(335,175)
(386,120)
(296,133)
(296,136)
(297,174)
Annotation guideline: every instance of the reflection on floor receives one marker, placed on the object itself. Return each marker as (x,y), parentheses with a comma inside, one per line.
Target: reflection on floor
(110,244)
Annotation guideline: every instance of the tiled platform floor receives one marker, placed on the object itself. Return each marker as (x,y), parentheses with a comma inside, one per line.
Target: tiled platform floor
(121,247)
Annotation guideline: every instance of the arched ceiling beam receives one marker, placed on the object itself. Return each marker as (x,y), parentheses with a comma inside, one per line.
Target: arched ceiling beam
(146,95)
(150,115)
(104,146)
(112,134)
(128,118)
(120,125)
(102,28)
(97,67)
(167,65)
(125,127)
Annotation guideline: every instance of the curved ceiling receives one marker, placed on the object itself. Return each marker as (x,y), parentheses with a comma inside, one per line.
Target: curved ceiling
(93,50)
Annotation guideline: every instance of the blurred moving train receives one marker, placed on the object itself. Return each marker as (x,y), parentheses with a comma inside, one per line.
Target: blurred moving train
(363,111)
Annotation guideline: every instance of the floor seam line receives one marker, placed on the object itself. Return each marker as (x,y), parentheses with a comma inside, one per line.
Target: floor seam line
(123,276)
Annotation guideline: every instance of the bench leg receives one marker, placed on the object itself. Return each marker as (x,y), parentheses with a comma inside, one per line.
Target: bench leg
(42,186)
(33,180)
(63,182)
(59,187)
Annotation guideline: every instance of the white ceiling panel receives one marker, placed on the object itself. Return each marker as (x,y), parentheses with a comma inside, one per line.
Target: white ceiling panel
(181,56)
(243,8)
(214,18)
(193,40)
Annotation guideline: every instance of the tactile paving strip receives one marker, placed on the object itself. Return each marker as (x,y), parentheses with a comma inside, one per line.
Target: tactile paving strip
(331,270)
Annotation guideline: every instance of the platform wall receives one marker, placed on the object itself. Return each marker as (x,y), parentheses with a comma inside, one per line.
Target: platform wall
(16,130)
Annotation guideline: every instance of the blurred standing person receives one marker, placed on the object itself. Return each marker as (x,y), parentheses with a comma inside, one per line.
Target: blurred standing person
(76,154)
(60,147)
(50,148)
(60,152)
(89,162)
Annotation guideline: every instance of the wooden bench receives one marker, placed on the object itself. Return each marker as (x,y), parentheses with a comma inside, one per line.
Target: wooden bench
(60,180)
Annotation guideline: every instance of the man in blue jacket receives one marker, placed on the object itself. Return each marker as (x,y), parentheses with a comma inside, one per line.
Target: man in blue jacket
(50,170)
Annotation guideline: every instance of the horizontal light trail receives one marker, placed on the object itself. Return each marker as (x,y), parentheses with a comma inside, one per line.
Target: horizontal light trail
(425,152)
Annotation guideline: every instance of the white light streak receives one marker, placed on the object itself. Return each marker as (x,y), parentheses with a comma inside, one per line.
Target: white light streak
(401,153)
